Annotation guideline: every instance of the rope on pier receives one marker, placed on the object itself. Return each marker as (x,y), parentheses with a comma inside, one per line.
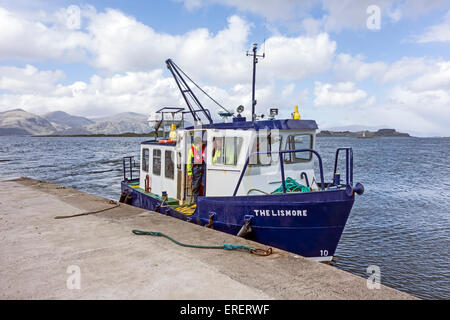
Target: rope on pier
(91,212)
(224,246)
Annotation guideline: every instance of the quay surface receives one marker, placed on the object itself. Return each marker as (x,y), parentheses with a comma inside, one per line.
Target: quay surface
(37,251)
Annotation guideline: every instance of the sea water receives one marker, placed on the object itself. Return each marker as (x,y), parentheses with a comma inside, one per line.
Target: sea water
(401,224)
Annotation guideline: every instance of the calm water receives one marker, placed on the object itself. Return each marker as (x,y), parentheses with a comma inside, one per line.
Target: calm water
(401,223)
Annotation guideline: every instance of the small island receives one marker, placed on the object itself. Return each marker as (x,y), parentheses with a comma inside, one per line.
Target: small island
(364,134)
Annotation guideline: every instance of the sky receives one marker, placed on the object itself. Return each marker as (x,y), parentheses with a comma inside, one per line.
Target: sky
(372,63)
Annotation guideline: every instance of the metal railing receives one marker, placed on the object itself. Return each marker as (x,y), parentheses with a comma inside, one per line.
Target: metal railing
(128,162)
(283,182)
(348,164)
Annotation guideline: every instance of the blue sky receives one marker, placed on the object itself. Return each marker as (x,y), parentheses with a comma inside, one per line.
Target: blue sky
(321,55)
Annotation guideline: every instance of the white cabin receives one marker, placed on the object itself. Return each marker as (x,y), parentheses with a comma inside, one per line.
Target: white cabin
(165,162)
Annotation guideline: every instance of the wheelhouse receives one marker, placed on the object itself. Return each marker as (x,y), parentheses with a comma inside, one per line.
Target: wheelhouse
(231,148)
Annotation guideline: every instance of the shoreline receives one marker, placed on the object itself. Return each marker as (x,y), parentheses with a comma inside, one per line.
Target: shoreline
(150,136)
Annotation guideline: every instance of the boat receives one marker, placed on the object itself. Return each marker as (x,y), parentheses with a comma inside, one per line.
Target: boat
(266,186)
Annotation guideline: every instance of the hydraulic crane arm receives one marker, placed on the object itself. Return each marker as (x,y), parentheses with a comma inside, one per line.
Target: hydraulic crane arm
(188,95)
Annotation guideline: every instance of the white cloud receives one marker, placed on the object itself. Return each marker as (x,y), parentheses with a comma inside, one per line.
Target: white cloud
(425,112)
(127,45)
(312,26)
(116,42)
(415,95)
(437,78)
(141,92)
(340,94)
(23,38)
(354,68)
(28,79)
(133,91)
(121,43)
(347,14)
(273,10)
(436,33)
(129,57)
(426,100)
(297,58)
(352,14)
(406,68)
(427,96)
(415,8)
(349,68)
(133,54)
(192,4)
(339,14)
(419,102)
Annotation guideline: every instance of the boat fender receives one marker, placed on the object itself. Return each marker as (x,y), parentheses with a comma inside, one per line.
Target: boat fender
(123,196)
(129,198)
(246,229)
(359,188)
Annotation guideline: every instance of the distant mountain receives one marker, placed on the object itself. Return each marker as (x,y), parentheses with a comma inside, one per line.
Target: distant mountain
(62,120)
(72,131)
(121,116)
(20,122)
(120,123)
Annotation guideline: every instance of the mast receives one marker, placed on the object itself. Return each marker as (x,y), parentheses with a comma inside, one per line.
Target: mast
(255,61)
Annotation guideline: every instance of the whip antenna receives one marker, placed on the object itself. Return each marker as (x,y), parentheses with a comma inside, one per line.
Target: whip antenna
(255,61)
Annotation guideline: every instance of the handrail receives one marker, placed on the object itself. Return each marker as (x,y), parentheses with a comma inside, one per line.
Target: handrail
(348,164)
(281,152)
(131,158)
(303,175)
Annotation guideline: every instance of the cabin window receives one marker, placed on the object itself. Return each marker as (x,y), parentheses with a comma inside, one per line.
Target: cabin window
(157,162)
(226,150)
(298,141)
(168,164)
(145,159)
(263,143)
(179,160)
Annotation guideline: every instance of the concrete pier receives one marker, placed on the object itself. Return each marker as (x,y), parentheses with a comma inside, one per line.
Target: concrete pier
(37,251)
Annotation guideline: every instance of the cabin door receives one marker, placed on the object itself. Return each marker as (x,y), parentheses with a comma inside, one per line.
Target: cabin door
(186,193)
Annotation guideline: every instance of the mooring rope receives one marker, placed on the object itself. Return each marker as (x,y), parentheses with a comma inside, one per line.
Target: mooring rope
(225,246)
(90,212)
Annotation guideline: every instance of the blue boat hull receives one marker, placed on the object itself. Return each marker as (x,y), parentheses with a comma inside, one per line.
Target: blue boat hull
(309,224)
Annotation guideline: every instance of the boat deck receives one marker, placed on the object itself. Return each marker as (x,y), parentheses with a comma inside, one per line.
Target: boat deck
(186,209)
